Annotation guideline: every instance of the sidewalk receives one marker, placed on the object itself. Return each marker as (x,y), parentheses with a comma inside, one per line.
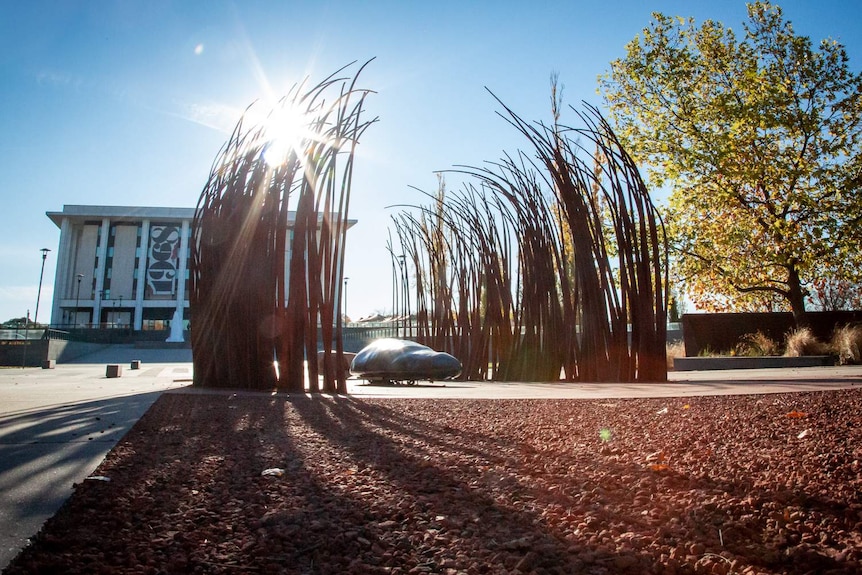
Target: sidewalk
(56,426)
(687,383)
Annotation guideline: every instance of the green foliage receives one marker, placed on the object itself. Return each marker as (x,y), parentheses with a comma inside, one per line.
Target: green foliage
(758,138)
(21,323)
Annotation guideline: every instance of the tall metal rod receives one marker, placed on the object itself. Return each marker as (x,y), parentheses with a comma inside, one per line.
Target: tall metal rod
(77,299)
(267,257)
(39,293)
(345,296)
(553,264)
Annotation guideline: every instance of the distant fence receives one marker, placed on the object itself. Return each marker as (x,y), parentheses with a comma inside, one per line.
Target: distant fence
(355,337)
(44,344)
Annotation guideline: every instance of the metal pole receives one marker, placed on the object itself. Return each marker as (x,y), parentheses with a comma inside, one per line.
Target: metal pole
(394,296)
(78,299)
(345,297)
(41,274)
(404,298)
(26,340)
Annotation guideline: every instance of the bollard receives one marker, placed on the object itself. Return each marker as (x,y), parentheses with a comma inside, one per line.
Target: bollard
(114,370)
(49,364)
(136,364)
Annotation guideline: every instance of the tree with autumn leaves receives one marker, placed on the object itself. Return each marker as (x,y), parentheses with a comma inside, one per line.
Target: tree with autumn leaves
(757,136)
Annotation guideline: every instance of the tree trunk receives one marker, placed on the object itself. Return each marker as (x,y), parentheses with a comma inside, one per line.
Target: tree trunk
(797,297)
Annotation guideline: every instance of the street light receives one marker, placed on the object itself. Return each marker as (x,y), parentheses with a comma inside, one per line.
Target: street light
(78,298)
(27,342)
(345,297)
(41,274)
(103,295)
(405,302)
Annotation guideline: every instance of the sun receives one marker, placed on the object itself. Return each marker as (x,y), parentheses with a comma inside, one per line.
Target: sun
(285,130)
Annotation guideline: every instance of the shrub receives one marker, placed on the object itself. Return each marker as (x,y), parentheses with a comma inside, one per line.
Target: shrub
(674,349)
(707,351)
(802,342)
(756,344)
(846,343)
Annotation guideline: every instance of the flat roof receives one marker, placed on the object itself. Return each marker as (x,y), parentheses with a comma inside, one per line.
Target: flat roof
(131,213)
(79,212)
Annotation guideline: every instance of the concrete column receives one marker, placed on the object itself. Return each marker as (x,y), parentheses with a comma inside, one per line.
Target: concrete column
(142,281)
(182,265)
(61,274)
(100,271)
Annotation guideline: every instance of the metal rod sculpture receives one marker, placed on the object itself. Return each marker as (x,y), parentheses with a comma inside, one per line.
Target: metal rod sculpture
(548,268)
(263,294)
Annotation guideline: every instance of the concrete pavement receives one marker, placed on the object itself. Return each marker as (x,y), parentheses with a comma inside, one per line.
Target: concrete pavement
(680,384)
(56,426)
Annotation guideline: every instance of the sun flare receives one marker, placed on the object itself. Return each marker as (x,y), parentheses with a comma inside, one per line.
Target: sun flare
(286,130)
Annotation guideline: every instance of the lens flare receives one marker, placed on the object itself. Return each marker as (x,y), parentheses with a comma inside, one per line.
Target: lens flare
(287,131)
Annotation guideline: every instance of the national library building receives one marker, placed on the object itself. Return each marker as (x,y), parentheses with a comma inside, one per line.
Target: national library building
(121,266)
(125,267)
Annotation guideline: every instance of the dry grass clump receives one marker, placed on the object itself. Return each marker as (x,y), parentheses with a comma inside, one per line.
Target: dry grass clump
(756,344)
(801,342)
(674,349)
(846,344)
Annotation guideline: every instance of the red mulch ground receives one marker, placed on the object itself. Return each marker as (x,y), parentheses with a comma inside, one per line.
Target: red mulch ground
(749,484)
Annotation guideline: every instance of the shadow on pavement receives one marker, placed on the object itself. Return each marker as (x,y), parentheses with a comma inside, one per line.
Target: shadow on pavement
(45,450)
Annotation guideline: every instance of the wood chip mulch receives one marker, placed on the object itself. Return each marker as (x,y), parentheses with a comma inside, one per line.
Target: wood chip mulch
(228,484)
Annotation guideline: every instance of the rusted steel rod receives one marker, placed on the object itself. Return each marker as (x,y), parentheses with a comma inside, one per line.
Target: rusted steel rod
(549,265)
(267,252)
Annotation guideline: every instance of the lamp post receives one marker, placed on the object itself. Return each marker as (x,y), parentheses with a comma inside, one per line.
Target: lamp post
(396,287)
(345,297)
(402,270)
(41,274)
(78,298)
(26,340)
(98,320)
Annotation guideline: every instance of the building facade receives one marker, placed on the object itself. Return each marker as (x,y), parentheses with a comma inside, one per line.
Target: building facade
(121,266)
(125,267)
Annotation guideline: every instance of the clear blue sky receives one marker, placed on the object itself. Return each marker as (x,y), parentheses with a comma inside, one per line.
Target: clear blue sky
(127,103)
